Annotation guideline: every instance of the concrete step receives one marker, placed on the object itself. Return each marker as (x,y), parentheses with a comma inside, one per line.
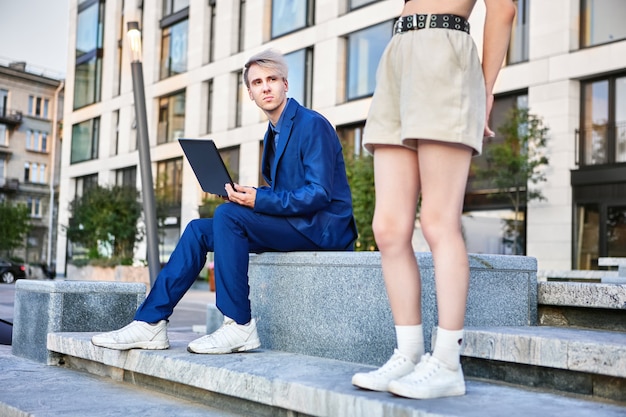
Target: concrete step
(582,305)
(266,382)
(32,389)
(585,362)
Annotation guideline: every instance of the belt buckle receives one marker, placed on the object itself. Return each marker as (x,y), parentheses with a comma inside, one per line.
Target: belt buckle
(397,27)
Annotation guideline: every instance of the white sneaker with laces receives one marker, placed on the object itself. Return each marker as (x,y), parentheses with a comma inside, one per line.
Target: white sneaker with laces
(229,338)
(138,334)
(430,379)
(398,366)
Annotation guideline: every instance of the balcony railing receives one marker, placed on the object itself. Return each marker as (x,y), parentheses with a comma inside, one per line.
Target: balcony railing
(601,144)
(9,184)
(10,117)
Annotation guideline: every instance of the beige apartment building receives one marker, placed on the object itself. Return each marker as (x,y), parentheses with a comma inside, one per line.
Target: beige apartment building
(566,63)
(31,107)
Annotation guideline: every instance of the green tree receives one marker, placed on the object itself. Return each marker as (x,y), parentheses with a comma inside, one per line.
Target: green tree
(14,227)
(360,172)
(515,165)
(105,219)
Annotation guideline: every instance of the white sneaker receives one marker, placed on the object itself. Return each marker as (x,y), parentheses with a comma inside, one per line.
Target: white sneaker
(229,338)
(137,334)
(430,379)
(398,366)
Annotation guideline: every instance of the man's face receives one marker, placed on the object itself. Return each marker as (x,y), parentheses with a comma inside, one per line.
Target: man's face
(268,90)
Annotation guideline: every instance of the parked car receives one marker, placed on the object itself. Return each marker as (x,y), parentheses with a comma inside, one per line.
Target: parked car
(10,271)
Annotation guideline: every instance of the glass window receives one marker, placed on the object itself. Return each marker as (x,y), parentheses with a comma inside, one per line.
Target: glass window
(586,238)
(603,125)
(230,156)
(518,46)
(85,137)
(290,15)
(241,93)
(174,49)
(4,135)
(365,48)
(85,183)
(602,21)
(300,65)
(121,31)
(34,206)
(87,82)
(209,115)
(35,172)
(616,231)
(88,29)
(596,119)
(27,172)
(88,70)
(241,36)
(351,139)
(126,177)
(169,187)
(173,6)
(620,119)
(211,41)
(171,118)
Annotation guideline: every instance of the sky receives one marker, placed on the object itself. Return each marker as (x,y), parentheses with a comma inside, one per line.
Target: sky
(35,31)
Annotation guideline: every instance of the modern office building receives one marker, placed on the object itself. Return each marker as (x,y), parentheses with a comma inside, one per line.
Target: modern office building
(31,109)
(566,63)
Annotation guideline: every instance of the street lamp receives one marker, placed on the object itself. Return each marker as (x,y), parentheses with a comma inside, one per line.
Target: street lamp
(143,143)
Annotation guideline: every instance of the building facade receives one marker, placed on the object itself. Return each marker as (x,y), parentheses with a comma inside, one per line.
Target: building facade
(31,107)
(566,63)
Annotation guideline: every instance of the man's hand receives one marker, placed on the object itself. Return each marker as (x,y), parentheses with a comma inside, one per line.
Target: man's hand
(242,195)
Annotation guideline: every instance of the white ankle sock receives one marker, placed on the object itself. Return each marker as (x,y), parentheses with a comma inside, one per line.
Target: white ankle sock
(448,347)
(410,341)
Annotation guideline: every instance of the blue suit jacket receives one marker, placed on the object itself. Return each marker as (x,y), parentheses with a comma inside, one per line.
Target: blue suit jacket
(307,178)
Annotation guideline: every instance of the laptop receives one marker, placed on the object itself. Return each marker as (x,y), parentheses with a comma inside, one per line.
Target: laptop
(207,164)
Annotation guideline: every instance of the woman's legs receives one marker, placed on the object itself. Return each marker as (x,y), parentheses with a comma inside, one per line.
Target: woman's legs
(397,189)
(443,172)
(443,190)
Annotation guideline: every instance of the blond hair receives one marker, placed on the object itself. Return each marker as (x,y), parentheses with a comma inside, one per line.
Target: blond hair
(269,58)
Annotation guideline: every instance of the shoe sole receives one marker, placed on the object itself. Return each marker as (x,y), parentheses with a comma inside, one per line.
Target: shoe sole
(425,394)
(358,382)
(128,346)
(218,351)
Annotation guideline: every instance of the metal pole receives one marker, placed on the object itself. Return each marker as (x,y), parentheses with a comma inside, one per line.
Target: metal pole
(145,164)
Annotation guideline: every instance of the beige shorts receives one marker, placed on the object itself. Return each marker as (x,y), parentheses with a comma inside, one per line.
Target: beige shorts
(429,85)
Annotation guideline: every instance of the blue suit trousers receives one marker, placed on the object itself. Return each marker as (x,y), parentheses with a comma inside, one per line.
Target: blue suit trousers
(232,234)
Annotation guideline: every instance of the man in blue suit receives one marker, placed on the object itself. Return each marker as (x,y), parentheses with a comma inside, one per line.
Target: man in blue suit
(307,206)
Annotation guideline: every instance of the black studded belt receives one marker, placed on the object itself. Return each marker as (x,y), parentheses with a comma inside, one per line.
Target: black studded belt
(423,21)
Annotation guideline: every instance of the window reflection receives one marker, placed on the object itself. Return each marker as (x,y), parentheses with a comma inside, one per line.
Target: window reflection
(365,48)
(171,118)
(602,21)
(174,49)
(300,77)
(290,15)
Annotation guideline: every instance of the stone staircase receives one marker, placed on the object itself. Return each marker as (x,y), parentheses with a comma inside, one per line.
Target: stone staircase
(540,360)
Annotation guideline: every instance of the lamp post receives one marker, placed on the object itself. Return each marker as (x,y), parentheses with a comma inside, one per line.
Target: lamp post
(143,143)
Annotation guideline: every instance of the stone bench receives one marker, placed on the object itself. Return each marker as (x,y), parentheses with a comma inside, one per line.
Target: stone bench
(334,304)
(42,307)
